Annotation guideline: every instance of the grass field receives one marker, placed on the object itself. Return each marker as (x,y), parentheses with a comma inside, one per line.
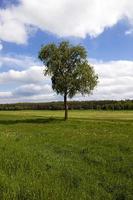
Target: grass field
(89,157)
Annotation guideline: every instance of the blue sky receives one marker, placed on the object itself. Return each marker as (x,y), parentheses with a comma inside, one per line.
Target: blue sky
(105,29)
(112,44)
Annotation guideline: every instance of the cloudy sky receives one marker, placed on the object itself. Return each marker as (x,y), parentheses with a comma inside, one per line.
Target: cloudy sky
(104,27)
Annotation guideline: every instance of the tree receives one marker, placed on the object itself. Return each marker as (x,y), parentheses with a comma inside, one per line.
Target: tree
(69,70)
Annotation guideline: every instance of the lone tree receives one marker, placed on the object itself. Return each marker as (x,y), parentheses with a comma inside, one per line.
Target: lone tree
(69,70)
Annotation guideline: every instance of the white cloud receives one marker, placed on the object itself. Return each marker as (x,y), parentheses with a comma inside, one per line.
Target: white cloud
(17,61)
(1,46)
(129,32)
(115,82)
(32,75)
(63,17)
(32,90)
(4,95)
(11,28)
(11,97)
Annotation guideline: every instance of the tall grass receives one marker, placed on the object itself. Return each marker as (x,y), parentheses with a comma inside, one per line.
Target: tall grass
(89,157)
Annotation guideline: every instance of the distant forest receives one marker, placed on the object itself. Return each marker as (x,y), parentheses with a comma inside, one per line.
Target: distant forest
(72,105)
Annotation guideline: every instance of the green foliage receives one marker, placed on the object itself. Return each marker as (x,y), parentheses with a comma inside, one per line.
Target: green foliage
(81,105)
(89,157)
(69,69)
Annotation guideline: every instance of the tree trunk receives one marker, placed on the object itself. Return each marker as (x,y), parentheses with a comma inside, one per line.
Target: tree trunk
(65,107)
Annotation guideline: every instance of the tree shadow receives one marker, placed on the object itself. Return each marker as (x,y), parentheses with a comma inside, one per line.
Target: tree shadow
(32,121)
(49,120)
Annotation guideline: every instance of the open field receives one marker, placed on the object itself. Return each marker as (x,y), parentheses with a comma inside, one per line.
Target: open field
(89,157)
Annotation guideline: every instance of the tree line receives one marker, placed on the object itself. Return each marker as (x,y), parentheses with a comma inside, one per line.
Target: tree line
(72,105)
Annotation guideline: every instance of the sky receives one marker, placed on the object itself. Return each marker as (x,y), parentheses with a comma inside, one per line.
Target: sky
(105,28)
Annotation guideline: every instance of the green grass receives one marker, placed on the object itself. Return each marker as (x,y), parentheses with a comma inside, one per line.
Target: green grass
(88,157)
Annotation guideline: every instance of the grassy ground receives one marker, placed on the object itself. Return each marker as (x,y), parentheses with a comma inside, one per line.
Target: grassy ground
(89,157)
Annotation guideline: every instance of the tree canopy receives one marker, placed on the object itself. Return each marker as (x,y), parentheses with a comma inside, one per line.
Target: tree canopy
(69,69)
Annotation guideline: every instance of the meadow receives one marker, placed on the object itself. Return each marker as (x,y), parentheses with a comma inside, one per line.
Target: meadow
(88,157)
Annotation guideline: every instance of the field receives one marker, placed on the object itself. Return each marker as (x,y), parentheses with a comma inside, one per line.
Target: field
(88,157)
